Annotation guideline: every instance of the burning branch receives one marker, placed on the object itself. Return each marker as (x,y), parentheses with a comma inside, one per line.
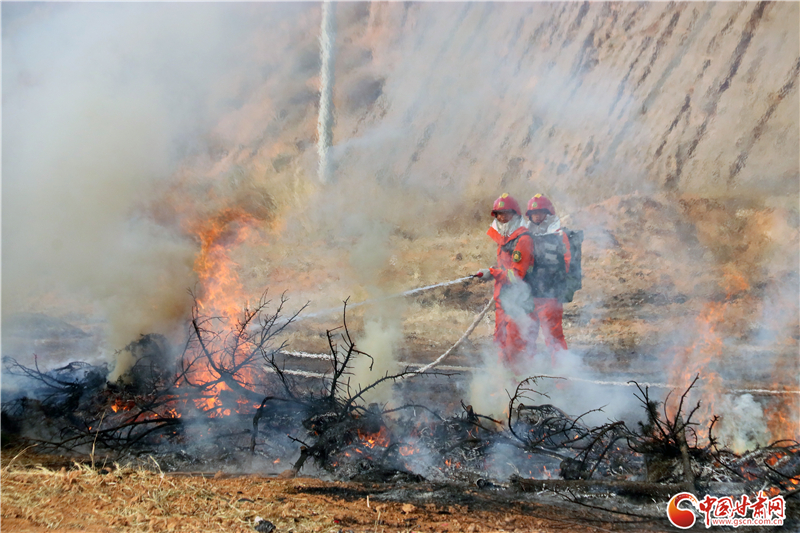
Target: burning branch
(546,430)
(214,362)
(597,447)
(335,426)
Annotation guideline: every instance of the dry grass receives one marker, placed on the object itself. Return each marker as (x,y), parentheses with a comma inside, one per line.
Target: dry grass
(79,498)
(38,498)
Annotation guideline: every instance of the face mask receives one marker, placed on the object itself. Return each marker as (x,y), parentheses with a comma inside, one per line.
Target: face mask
(509,227)
(550,224)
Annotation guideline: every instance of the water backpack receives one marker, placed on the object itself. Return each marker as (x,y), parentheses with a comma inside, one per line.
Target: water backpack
(548,278)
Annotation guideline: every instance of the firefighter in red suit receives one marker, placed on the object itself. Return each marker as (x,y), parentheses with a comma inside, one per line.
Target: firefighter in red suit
(512,295)
(550,264)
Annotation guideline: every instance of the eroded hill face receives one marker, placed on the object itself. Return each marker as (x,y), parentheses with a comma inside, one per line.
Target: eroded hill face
(585,98)
(446,105)
(580,101)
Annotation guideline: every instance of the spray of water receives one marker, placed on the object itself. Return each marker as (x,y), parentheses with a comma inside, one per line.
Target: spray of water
(409,292)
(325,124)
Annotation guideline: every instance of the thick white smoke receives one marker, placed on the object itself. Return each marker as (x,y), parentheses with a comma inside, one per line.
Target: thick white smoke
(102,104)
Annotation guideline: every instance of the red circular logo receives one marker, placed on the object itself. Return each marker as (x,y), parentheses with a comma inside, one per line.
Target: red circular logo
(682,518)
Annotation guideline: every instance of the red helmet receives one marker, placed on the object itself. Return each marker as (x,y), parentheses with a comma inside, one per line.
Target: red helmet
(505,203)
(540,201)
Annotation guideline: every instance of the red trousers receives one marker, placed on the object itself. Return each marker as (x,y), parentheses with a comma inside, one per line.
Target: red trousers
(547,314)
(513,341)
(509,338)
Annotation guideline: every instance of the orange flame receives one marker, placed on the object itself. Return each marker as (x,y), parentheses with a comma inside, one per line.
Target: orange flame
(780,412)
(370,440)
(220,295)
(221,290)
(696,360)
(407,450)
(122,405)
(782,417)
(709,347)
(773,459)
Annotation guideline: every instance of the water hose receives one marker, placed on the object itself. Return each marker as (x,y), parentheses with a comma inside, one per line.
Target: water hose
(467,333)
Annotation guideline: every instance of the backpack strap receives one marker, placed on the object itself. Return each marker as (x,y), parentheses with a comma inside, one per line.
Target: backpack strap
(510,245)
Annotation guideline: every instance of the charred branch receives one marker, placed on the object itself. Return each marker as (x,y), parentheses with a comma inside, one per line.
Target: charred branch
(240,369)
(663,440)
(542,429)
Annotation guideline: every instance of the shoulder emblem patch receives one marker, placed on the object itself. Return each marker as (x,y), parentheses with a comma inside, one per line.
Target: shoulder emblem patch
(516,256)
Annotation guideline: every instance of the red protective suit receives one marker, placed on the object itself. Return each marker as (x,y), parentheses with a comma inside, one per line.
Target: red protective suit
(548,314)
(509,274)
